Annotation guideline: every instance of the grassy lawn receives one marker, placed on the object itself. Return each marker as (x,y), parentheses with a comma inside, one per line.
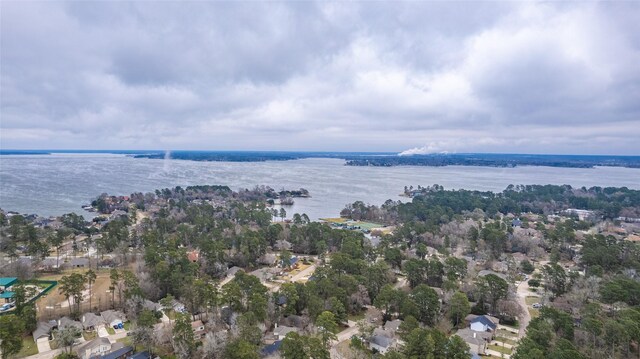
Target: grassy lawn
(506,333)
(111,331)
(89,335)
(125,340)
(533,312)
(127,326)
(506,340)
(356,317)
(499,349)
(531,300)
(29,347)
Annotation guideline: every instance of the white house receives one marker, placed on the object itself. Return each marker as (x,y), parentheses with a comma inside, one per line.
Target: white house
(483,323)
(113,317)
(96,347)
(279,332)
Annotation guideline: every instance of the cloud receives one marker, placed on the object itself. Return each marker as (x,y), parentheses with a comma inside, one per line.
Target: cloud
(482,77)
(425,150)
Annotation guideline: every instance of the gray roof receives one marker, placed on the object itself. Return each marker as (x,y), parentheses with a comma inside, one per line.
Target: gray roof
(485,321)
(91,320)
(473,337)
(486,272)
(66,321)
(284,330)
(94,343)
(111,315)
(49,262)
(79,261)
(392,325)
(381,341)
(42,330)
(149,305)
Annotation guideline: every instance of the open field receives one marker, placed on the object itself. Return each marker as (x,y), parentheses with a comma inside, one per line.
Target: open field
(54,304)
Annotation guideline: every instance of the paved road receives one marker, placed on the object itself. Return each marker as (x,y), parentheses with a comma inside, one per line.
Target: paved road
(522,292)
(525,318)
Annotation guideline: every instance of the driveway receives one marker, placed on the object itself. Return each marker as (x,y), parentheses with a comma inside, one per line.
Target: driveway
(43,345)
(347,333)
(305,274)
(102,332)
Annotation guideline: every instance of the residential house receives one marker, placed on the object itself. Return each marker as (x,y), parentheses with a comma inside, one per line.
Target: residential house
(120,353)
(482,323)
(96,347)
(152,306)
(141,355)
(392,326)
(381,343)
(43,330)
(49,264)
(113,318)
(293,262)
(198,329)
(477,341)
(279,332)
(486,272)
(231,272)
(65,322)
(91,321)
(78,263)
(193,255)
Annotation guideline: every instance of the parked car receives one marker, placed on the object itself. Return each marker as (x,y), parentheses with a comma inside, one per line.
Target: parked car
(537,305)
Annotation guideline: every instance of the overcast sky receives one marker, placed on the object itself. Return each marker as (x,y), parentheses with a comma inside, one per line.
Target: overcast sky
(371,76)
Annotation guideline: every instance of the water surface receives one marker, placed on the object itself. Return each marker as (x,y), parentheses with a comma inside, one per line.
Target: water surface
(60,183)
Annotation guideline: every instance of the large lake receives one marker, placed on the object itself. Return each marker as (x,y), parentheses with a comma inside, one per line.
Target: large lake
(61,183)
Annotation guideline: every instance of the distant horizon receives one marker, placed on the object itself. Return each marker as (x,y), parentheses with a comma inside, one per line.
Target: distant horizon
(67,150)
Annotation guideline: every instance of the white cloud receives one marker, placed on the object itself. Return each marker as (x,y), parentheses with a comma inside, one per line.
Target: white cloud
(492,77)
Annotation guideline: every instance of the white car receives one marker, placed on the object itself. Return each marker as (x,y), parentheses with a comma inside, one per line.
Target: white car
(537,305)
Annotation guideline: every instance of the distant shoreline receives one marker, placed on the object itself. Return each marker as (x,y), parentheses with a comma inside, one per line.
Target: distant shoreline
(375,159)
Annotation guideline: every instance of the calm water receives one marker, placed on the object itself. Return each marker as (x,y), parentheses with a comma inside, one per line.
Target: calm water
(61,183)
